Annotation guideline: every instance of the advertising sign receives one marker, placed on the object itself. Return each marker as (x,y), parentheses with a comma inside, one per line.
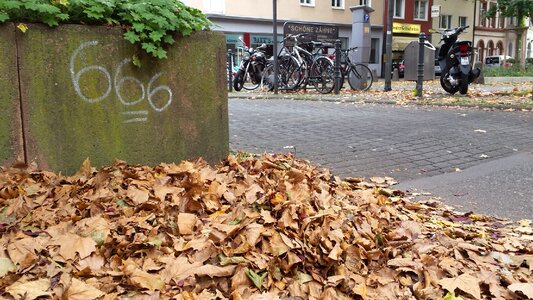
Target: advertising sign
(405,28)
(435,11)
(315,32)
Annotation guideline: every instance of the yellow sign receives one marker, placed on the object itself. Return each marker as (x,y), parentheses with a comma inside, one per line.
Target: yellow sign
(405,28)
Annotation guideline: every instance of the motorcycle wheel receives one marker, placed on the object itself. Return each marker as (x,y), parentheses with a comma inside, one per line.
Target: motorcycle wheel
(447,86)
(463,85)
(249,82)
(238,81)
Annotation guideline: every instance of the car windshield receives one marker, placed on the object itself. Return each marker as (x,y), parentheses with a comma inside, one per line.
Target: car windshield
(492,60)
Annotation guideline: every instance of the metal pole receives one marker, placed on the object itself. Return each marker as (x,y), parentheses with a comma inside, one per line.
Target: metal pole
(337,66)
(420,79)
(275,42)
(230,70)
(388,45)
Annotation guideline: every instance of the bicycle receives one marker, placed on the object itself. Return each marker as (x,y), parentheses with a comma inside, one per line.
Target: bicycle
(299,67)
(359,76)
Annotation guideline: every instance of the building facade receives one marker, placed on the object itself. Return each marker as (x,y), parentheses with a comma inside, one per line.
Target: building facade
(251,22)
(493,36)
(450,14)
(410,17)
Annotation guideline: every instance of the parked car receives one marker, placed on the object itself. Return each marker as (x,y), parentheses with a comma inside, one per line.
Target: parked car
(497,60)
(398,64)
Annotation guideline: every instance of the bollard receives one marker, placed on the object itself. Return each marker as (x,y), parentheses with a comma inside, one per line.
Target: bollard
(420,79)
(230,70)
(337,66)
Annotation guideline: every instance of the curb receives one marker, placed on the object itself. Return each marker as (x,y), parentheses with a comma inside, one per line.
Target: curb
(508,79)
(366,101)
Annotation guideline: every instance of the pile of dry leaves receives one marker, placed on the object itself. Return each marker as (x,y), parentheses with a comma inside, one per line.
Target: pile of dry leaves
(269,227)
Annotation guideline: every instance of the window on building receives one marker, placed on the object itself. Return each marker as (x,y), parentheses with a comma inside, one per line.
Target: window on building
(307,2)
(462,21)
(374,51)
(337,3)
(492,21)
(365,2)
(214,6)
(482,11)
(445,21)
(399,8)
(421,7)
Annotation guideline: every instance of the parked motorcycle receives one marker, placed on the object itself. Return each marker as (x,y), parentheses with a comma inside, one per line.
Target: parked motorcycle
(251,68)
(455,60)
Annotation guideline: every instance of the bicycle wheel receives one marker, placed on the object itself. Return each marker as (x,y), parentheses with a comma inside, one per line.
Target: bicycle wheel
(290,71)
(267,80)
(360,77)
(322,75)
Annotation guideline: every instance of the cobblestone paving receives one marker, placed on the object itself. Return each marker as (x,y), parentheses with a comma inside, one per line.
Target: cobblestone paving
(379,140)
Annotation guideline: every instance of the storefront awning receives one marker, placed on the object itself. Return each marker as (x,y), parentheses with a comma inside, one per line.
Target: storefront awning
(400,42)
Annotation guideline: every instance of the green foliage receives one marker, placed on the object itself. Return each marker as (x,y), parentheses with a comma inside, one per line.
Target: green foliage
(515,70)
(512,8)
(150,24)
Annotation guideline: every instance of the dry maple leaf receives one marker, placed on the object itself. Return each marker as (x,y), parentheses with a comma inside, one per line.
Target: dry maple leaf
(79,290)
(465,282)
(70,244)
(524,288)
(30,290)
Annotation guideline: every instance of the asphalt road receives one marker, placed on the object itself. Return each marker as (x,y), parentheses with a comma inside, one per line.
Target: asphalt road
(475,160)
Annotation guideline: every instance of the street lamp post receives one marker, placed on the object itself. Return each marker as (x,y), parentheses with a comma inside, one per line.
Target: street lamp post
(275,44)
(388,46)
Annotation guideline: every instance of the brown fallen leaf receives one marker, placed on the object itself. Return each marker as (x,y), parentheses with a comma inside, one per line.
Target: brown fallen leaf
(79,290)
(30,289)
(465,282)
(524,288)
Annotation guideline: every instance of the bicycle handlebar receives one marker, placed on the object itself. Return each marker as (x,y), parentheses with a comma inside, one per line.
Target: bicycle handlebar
(349,49)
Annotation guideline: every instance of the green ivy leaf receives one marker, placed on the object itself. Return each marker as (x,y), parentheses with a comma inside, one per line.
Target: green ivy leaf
(99,237)
(136,61)
(168,39)
(451,296)
(160,53)
(156,36)
(131,37)
(256,278)
(139,27)
(3,17)
(149,47)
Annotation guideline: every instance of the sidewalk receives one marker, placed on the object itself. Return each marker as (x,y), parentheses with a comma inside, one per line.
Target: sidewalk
(512,95)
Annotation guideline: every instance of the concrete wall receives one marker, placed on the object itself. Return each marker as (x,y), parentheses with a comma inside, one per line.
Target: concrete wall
(11,143)
(82,97)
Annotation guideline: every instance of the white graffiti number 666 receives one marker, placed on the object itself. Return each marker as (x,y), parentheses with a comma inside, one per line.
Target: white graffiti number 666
(118,82)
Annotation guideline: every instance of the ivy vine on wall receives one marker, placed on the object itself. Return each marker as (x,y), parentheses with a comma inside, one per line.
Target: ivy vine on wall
(150,24)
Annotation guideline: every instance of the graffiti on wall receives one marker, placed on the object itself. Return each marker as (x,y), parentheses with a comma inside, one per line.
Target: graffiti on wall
(117,81)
